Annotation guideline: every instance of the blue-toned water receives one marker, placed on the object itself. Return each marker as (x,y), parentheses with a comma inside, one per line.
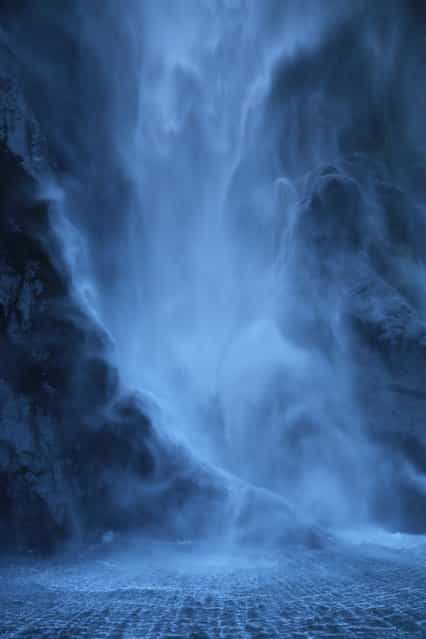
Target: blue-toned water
(243,213)
(368,589)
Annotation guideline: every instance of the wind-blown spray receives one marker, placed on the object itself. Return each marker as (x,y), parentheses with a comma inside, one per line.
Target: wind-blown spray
(234,176)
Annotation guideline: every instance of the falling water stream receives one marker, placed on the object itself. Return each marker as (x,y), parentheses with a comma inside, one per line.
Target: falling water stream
(226,207)
(214,306)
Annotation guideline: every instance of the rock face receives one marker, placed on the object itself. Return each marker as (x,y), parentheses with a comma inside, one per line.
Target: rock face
(76,455)
(55,385)
(29,285)
(72,447)
(368,261)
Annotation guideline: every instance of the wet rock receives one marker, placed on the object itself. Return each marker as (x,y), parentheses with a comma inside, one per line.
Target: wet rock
(62,446)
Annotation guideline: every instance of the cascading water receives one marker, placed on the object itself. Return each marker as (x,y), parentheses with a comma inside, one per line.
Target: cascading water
(206,313)
(213,318)
(225,214)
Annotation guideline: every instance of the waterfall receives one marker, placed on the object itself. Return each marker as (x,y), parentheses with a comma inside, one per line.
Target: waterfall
(227,171)
(205,313)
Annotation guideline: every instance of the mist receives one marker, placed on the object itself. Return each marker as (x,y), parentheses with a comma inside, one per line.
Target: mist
(212,318)
(237,188)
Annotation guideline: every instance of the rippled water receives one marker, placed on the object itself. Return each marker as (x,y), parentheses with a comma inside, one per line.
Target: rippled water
(162,591)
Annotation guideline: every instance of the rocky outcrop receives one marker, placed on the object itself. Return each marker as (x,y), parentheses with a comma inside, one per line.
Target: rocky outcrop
(53,374)
(71,445)
(365,245)
(76,455)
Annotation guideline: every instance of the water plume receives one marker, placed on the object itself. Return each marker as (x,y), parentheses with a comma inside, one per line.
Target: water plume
(238,173)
